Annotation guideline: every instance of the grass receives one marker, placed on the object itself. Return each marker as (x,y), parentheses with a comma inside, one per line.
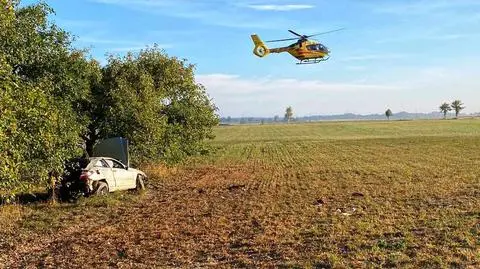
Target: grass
(346,130)
(317,195)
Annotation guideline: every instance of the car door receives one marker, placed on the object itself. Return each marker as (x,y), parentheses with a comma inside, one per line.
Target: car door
(123,177)
(102,166)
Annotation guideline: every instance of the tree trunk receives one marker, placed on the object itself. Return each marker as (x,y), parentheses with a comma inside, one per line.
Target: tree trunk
(91,139)
(89,143)
(52,195)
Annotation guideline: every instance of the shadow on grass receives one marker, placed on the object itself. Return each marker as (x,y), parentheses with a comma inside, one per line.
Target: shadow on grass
(27,198)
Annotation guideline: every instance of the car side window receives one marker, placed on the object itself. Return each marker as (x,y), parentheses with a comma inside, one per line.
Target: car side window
(117,165)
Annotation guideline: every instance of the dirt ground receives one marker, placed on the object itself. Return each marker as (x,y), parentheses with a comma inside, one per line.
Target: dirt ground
(385,202)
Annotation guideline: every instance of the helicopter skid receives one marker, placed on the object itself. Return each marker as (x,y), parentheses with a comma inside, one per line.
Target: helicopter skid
(313,61)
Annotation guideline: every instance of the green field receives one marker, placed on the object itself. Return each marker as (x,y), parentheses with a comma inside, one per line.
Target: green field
(329,194)
(346,130)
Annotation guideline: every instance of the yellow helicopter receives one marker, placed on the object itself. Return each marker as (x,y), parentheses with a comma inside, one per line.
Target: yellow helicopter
(305,50)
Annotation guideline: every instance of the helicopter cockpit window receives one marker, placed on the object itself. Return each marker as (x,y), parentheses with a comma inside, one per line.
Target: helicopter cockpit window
(317,47)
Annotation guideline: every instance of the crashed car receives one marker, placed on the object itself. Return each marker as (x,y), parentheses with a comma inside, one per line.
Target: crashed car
(107,170)
(103,175)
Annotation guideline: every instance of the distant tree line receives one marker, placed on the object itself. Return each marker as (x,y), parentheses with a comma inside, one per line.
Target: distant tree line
(55,101)
(456,105)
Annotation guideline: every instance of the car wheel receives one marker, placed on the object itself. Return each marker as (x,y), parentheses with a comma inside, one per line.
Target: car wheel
(102,189)
(140,183)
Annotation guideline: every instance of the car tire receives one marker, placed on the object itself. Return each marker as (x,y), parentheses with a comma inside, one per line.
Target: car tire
(140,186)
(102,189)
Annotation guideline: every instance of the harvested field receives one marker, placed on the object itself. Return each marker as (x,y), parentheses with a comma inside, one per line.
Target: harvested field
(324,195)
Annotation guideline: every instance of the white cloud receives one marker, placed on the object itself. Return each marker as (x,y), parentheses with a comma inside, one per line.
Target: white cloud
(220,13)
(237,96)
(225,84)
(419,89)
(423,7)
(280,7)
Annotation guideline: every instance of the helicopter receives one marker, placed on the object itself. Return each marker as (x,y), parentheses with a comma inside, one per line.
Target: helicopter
(305,50)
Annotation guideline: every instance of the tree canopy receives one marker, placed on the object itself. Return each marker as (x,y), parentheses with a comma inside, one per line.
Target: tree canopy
(388,113)
(444,108)
(41,82)
(288,113)
(55,101)
(154,101)
(457,105)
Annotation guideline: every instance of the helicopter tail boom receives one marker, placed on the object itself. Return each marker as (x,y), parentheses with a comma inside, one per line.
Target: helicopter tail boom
(261,50)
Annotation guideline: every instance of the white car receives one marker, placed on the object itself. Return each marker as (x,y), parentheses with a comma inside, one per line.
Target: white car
(109,170)
(104,174)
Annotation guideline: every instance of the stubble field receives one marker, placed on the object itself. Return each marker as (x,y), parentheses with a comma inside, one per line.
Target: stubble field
(331,194)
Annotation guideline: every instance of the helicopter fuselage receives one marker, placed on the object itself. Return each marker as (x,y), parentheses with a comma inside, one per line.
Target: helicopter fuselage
(304,50)
(307,51)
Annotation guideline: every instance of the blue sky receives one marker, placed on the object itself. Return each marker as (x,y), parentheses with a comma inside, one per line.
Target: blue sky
(403,55)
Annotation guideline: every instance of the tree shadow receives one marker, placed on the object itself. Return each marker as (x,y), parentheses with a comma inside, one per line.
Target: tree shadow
(31,198)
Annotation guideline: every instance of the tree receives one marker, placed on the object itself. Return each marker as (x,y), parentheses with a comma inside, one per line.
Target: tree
(275,118)
(288,114)
(444,108)
(41,84)
(457,105)
(388,113)
(153,101)
(53,100)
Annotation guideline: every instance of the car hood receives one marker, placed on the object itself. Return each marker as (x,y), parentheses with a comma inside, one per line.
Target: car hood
(116,148)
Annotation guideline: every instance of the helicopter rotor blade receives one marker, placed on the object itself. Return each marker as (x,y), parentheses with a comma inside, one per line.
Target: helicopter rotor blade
(326,32)
(278,40)
(299,35)
(303,37)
